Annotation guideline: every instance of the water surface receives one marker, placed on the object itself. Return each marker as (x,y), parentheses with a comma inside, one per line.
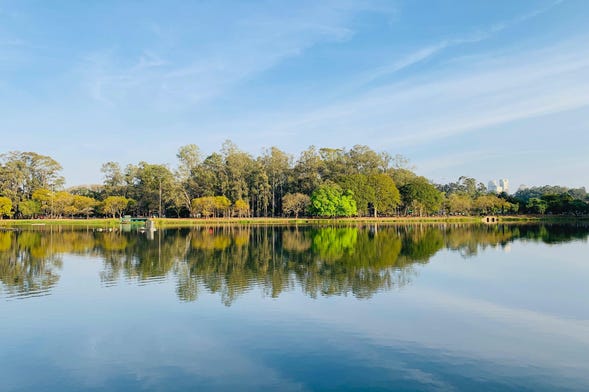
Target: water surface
(419,307)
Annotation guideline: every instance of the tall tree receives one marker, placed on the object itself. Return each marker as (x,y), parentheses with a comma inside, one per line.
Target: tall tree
(362,159)
(307,171)
(153,187)
(277,165)
(237,164)
(114,179)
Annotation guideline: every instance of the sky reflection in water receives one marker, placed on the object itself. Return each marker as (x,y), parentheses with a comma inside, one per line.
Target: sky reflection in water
(388,308)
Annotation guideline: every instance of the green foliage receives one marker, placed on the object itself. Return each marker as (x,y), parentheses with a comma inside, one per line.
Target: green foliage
(421,197)
(459,203)
(114,180)
(22,173)
(491,204)
(536,205)
(362,192)
(384,193)
(329,200)
(374,191)
(370,183)
(465,186)
(29,208)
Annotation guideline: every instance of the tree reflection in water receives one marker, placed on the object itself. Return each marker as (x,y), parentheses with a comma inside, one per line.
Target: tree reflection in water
(229,261)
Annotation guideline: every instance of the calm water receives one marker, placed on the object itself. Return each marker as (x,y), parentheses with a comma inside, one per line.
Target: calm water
(284,308)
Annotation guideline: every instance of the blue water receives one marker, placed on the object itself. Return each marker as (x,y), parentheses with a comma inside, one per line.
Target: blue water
(252,309)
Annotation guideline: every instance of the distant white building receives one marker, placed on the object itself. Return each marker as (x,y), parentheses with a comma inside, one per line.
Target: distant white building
(499,186)
(504,183)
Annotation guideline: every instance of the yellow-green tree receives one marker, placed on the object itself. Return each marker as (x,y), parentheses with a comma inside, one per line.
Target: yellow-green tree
(84,205)
(115,205)
(222,205)
(241,208)
(5,207)
(62,204)
(46,199)
(459,203)
(203,206)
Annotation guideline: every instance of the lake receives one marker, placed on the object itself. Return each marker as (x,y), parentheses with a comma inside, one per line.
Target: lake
(397,307)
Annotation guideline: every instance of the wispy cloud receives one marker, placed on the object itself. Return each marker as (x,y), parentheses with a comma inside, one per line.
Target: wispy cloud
(457,100)
(429,51)
(256,42)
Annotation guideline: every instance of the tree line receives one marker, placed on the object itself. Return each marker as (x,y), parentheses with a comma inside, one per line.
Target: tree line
(321,182)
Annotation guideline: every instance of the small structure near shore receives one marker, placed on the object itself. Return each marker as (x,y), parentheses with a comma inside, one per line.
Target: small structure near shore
(491,219)
(127,219)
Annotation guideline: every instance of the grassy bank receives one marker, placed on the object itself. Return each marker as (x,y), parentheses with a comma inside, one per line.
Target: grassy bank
(185,222)
(106,222)
(174,222)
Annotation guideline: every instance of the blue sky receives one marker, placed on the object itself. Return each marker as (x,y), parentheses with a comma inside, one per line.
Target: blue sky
(487,89)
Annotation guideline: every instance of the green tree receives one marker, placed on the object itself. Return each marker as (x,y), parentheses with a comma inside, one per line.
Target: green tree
(277,165)
(537,205)
(114,179)
(334,164)
(214,176)
(22,173)
(385,195)
(153,188)
(491,204)
(364,160)
(329,200)
(237,166)
(260,190)
(186,185)
(363,192)
(420,192)
(306,171)
(29,208)
(459,203)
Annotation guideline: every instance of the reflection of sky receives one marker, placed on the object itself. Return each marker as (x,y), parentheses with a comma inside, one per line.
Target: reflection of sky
(516,320)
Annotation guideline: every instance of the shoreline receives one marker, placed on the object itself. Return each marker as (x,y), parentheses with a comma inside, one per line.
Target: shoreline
(195,222)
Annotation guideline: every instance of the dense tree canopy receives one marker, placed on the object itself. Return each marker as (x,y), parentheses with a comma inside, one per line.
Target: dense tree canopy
(326,182)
